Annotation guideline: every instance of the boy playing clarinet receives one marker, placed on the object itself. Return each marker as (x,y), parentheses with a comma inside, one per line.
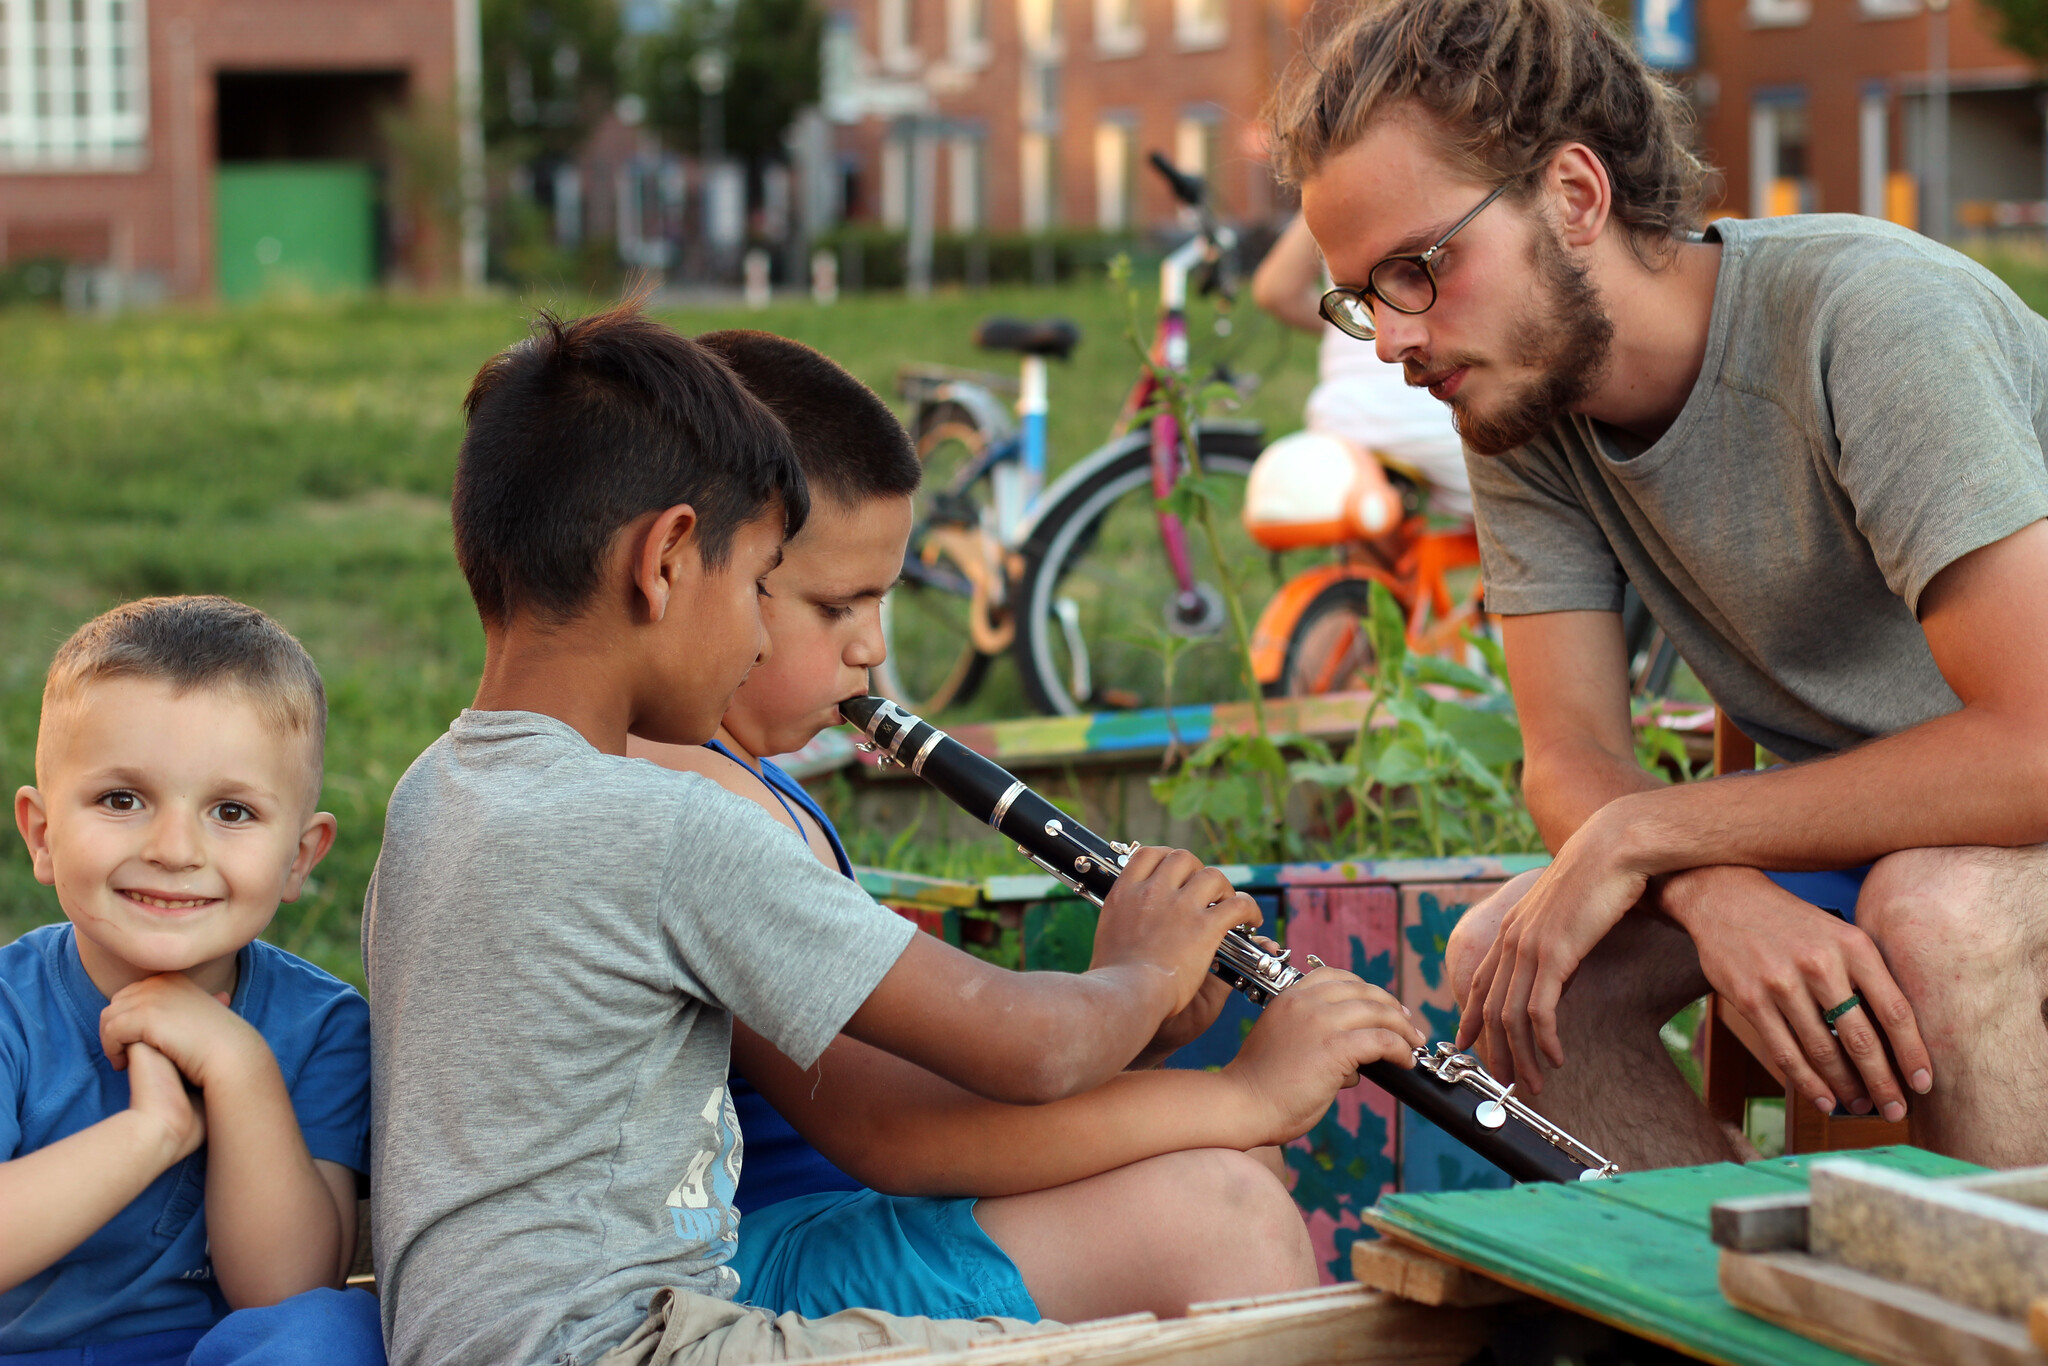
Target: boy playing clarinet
(559,937)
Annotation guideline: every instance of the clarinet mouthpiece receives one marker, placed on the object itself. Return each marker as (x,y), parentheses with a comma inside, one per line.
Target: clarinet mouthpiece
(860,711)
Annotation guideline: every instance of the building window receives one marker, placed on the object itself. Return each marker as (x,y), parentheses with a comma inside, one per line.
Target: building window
(1873,129)
(1116,143)
(1200,23)
(965,184)
(1779,180)
(967,32)
(1195,139)
(1118,30)
(897,20)
(1887,9)
(896,181)
(1038,23)
(73,82)
(1038,179)
(1779,13)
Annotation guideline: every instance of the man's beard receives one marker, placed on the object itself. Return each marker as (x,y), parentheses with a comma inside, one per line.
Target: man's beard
(1569,344)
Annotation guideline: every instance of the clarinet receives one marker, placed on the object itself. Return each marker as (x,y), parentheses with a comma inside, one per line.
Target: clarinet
(1448,1088)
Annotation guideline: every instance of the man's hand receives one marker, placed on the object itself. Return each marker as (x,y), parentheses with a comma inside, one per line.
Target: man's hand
(1169,912)
(196,1031)
(1310,1043)
(1511,1006)
(156,1092)
(1783,964)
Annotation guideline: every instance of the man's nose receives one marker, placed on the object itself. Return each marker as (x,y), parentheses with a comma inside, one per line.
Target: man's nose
(174,842)
(1398,335)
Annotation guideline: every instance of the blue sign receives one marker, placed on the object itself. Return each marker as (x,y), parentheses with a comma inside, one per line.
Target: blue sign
(1666,32)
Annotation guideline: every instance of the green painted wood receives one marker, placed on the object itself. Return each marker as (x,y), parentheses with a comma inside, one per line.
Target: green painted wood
(1633,1252)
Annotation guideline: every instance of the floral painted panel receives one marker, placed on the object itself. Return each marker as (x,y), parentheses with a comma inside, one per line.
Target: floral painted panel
(1340,1167)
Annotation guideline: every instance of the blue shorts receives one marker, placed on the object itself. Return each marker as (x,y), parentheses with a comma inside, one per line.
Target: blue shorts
(903,1254)
(1834,890)
(318,1328)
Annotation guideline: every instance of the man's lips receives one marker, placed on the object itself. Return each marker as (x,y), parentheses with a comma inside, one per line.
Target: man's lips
(160,901)
(1443,383)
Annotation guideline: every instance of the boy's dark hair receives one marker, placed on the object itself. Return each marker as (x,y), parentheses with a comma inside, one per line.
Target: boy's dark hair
(198,642)
(850,445)
(586,425)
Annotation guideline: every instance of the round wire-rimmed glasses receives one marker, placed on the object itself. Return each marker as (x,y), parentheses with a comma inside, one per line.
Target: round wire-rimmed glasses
(1405,283)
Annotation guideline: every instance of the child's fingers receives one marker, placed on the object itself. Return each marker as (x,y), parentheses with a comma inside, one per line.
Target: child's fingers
(1376,1045)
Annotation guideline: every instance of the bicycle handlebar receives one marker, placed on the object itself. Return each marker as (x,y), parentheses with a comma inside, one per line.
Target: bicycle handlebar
(1188,189)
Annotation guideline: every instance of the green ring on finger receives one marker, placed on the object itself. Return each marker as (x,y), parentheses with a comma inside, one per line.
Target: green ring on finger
(1844,1008)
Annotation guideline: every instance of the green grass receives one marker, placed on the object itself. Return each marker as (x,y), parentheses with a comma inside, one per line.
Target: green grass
(300,459)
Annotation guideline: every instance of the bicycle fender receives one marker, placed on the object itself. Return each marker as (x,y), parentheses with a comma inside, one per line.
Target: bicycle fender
(1281,615)
(991,414)
(1090,465)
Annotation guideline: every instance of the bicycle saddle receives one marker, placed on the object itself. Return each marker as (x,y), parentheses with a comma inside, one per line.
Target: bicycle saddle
(1055,337)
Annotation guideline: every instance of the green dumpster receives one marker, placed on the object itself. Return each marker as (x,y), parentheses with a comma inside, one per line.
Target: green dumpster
(293,227)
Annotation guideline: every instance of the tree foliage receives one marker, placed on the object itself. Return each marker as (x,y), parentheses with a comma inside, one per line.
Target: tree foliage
(2022,26)
(771,51)
(550,72)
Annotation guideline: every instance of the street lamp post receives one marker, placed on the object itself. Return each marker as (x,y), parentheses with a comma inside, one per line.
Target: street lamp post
(1937,214)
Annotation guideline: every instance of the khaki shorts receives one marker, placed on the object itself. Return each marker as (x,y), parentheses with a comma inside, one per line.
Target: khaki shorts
(685,1329)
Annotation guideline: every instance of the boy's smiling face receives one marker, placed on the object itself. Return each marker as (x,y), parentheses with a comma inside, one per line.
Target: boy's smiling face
(171,825)
(823,615)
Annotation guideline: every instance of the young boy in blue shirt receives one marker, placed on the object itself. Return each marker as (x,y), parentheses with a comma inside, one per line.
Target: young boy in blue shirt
(559,937)
(1102,1204)
(184,1109)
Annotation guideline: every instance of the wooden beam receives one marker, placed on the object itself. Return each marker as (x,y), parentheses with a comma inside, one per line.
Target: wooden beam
(1761,1223)
(1963,1245)
(1337,1324)
(1879,1320)
(1383,1264)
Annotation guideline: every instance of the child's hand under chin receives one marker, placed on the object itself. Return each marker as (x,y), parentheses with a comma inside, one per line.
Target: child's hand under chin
(194,1029)
(1310,1043)
(156,1091)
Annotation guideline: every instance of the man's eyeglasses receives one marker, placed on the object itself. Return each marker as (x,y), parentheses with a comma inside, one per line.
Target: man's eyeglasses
(1406,284)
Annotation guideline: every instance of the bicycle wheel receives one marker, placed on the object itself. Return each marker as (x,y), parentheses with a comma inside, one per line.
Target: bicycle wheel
(1097,594)
(927,625)
(1330,649)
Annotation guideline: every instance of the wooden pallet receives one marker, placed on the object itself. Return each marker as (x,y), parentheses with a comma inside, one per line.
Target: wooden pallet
(1340,1325)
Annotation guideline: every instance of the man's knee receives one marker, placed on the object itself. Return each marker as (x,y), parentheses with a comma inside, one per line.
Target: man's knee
(1474,933)
(1940,913)
(1242,1191)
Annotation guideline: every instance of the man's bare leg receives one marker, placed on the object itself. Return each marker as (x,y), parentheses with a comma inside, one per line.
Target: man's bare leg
(1618,1090)
(1965,933)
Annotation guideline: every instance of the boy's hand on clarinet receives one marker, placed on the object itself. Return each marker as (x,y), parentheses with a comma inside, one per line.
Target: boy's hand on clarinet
(1310,1043)
(1169,912)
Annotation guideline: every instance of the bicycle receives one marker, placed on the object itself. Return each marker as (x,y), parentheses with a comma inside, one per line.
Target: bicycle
(1076,579)
(1310,637)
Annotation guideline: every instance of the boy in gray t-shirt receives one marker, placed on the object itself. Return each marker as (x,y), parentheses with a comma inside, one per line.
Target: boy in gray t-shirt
(558,938)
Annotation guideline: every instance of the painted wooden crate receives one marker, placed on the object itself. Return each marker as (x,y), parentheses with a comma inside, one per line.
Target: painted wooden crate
(1386,920)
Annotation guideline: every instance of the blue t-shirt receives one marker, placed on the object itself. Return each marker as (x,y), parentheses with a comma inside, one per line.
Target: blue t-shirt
(780,1162)
(147,1270)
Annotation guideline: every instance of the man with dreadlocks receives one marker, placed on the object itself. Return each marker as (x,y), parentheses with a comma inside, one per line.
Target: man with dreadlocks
(1814,445)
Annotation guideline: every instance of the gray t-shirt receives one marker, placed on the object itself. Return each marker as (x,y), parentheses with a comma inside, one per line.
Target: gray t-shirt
(1872,407)
(554,939)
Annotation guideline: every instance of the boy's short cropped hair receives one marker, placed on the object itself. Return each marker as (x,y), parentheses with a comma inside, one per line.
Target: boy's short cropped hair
(850,445)
(198,642)
(588,424)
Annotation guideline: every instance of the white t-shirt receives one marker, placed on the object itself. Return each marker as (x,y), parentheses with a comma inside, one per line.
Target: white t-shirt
(1365,400)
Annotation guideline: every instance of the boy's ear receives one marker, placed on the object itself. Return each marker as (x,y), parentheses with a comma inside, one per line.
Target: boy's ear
(660,561)
(34,824)
(314,842)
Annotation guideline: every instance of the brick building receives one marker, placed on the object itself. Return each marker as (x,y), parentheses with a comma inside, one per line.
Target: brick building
(164,141)
(1822,106)
(1037,114)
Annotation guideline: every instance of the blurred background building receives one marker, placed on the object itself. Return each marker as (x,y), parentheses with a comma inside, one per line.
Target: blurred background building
(186,147)
(238,147)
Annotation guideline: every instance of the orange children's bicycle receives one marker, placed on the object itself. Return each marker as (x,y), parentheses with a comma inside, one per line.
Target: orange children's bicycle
(1306,491)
